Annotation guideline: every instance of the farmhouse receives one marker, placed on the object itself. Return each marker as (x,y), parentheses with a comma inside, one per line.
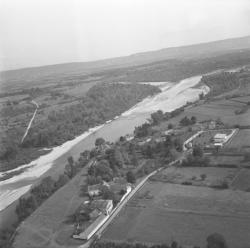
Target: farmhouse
(103,206)
(94,190)
(100,211)
(220,138)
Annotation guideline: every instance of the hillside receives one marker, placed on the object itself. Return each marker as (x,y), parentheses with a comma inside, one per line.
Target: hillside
(79,70)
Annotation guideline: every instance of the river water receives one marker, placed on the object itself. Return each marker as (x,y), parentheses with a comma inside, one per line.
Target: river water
(173,95)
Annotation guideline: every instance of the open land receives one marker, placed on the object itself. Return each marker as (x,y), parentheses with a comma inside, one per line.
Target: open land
(184,213)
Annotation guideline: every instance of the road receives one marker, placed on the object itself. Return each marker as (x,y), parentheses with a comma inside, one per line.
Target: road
(30,123)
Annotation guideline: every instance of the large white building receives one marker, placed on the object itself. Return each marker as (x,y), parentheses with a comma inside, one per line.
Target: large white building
(220,138)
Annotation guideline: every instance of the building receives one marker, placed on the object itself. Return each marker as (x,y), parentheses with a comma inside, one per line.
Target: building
(95,190)
(220,138)
(103,206)
(100,213)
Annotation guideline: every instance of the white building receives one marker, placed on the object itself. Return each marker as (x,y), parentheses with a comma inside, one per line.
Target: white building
(220,138)
(94,190)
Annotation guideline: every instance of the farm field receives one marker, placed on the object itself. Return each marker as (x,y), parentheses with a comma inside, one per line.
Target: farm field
(187,214)
(232,154)
(197,176)
(239,142)
(242,181)
(227,160)
(217,109)
(223,109)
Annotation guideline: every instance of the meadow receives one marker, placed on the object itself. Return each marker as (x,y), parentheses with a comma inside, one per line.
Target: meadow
(187,214)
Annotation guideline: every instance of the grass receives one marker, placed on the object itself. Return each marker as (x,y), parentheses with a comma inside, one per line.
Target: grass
(242,180)
(240,142)
(49,218)
(184,213)
(193,175)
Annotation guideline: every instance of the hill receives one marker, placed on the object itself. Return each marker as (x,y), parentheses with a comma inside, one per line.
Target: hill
(66,71)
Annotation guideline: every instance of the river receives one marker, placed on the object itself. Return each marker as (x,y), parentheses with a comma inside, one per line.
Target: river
(173,95)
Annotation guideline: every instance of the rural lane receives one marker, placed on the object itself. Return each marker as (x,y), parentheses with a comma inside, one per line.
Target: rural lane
(30,123)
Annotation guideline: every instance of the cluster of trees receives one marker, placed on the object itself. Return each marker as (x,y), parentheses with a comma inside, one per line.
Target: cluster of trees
(185,121)
(101,103)
(157,117)
(110,163)
(165,148)
(197,158)
(214,240)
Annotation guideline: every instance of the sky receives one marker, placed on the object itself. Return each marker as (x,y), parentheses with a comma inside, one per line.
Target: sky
(42,32)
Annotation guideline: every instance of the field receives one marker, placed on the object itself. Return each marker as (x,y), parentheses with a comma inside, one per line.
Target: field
(223,109)
(232,154)
(240,142)
(187,214)
(242,181)
(46,227)
(196,176)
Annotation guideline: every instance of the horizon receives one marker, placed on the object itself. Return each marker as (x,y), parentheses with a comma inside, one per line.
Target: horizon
(39,33)
(128,55)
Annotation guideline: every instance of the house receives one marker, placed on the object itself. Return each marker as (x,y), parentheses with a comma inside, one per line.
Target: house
(101,211)
(220,138)
(95,190)
(103,206)
(168,132)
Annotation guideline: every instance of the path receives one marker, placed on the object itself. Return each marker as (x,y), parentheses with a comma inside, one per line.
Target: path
(30,123)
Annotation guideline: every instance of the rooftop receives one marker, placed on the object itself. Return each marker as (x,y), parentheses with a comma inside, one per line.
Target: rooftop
(220,136)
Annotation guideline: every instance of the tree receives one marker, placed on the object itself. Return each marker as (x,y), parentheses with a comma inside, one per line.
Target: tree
(99,141)
(203,177)
(61,181)
(103,170)
(216,240)
(70,160)
(122,139)
(157,117)
(148,151)
(130,176)
(201,96)
(178,144)
(170,126)
(198,151)
(70,170)
(193,119)
(174,244)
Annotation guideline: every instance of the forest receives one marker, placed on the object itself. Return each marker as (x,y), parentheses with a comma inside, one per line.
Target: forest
(101,103)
